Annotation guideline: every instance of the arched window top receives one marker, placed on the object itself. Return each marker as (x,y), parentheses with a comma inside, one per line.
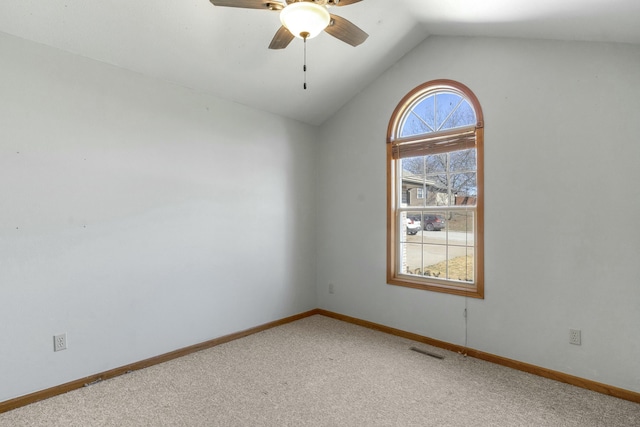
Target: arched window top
(435,107)
(436,112)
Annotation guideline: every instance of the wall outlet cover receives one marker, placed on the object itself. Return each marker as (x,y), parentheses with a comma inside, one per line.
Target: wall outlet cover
(60,342)
(575,336)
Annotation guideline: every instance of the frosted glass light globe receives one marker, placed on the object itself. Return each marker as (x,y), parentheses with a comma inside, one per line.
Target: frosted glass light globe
(305,17)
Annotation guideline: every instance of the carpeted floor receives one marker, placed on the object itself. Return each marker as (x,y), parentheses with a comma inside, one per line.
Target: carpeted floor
(323,372)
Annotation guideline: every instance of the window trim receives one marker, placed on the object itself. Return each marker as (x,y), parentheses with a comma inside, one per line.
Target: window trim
(393,142)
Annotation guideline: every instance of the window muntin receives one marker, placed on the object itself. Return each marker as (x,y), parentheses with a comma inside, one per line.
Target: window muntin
(435,151)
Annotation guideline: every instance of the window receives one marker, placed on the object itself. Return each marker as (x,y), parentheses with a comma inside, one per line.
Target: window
(435,190)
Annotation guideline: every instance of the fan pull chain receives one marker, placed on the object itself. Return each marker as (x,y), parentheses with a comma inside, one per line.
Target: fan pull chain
(304,66)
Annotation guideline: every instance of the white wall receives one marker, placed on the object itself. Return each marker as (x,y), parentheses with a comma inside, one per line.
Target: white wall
(562,205)
(139,217)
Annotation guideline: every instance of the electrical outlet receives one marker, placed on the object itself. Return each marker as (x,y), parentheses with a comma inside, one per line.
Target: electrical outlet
(331,290)
(60,342)
(575,336)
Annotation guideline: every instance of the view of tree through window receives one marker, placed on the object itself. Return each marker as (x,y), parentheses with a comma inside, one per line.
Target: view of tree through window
(434,155)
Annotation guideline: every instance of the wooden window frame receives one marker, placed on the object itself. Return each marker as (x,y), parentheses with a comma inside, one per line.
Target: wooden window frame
(436,142)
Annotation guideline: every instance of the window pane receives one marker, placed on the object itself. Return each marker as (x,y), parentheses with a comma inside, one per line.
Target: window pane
(465,189)
(460,228)
(435,257)
(436,163)
(456,263)
(414,227)
(446,105)
(461,247)
(402,220)
(453,112)
(460,264)
(434,221)
(420,119)
(463,161)
(411,258)
(437,193)
(413,165)
(413,190)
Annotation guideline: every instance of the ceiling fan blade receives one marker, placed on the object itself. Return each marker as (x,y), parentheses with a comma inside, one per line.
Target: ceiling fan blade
(342,2)
(346,31)
(250,4)
(282,38)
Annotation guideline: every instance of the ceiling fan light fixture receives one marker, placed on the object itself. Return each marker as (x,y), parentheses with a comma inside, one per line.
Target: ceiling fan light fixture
(303,17)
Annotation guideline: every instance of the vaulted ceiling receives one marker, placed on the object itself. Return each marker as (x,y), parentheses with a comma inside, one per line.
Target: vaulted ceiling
(223,51)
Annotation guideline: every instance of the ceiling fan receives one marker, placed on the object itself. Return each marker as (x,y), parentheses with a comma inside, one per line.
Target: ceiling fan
(304,19)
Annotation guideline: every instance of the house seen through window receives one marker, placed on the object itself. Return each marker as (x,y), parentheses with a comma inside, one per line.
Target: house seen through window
(435,203)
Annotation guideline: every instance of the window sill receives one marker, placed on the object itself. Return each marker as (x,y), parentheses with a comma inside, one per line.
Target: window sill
(442,286)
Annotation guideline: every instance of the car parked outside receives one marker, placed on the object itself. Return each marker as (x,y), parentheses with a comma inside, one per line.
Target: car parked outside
(433,222)
(413,226)
(430,222)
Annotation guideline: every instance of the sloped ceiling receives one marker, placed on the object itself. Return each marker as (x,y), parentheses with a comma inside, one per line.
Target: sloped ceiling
(223,51)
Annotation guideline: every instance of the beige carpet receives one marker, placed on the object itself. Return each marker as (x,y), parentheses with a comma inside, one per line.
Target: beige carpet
(323,372)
